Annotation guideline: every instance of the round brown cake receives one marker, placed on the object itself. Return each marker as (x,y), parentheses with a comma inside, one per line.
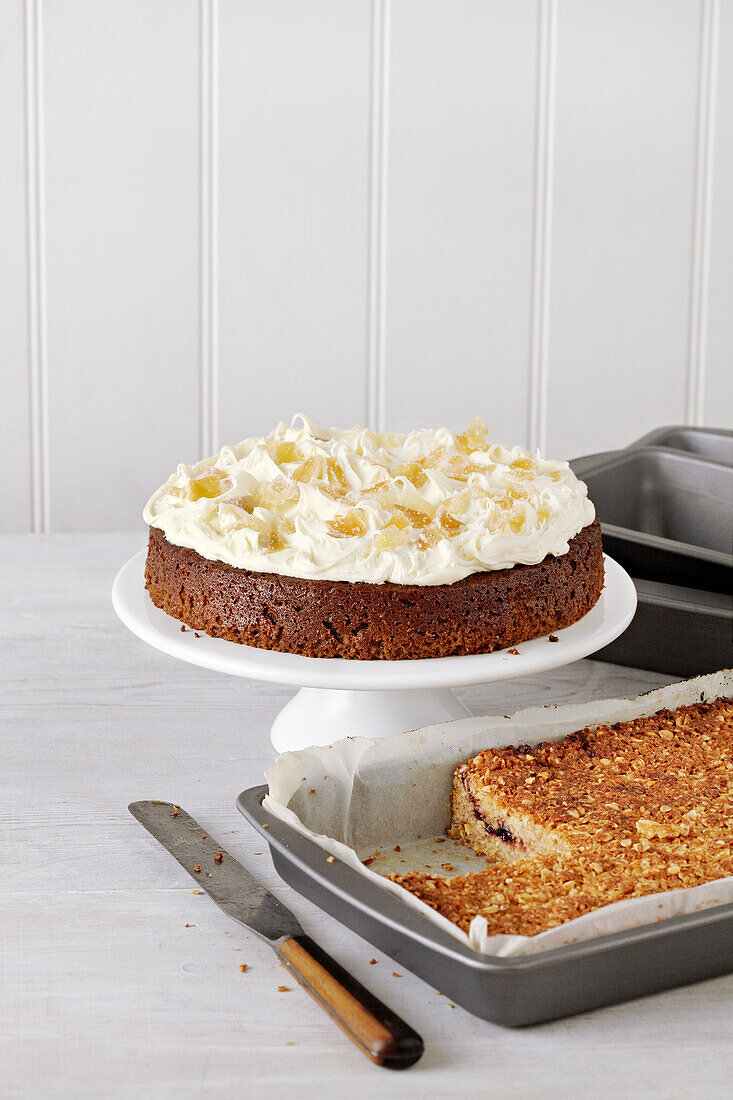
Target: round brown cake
(477,614)
(374,545)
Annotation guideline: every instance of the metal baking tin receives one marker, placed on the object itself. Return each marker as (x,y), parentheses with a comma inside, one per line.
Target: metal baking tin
(666,516)
(680,631)
(712,444)
(510,991)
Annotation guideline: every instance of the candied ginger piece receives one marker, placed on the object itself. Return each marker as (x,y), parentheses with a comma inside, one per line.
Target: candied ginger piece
(475,437)
(245,502)
(434,458)
(277,494)
(459,469)
(415,519)
(524,467)
(347,526)
(382,494)
(312,470)
(448,522)
(251,523)
(210,485)
(324,472)
(413,471)
(516,521)
(459,503)
(391,537)
(398,519)
(429,538)
(284,451)
(336,477)
(275,542)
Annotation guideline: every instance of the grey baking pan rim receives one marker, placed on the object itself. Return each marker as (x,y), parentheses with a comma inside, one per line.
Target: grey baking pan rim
(598,460)
(658,542)
(718,604)
(513,991)
(655,441)
(659,438)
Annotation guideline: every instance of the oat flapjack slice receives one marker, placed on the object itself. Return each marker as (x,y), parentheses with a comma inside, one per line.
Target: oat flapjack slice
(605,814)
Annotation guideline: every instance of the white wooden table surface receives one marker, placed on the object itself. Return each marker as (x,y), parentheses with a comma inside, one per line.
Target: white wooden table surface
(119,981)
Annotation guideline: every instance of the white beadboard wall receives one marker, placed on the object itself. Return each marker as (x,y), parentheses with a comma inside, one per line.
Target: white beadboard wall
(216,213)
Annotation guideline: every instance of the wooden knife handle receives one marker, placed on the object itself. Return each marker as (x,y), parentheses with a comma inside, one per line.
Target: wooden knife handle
(376,1030)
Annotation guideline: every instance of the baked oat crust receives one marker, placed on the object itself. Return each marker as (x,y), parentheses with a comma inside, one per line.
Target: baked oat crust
(605,814)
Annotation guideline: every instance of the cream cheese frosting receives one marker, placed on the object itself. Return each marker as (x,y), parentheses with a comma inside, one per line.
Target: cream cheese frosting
(429,507)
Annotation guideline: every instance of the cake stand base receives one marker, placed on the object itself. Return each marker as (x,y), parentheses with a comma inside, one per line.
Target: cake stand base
(320,716)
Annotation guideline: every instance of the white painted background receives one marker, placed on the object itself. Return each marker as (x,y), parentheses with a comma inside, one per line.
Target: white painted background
(215,213)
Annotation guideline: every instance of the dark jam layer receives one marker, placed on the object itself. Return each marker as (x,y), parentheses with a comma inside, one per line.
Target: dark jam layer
(499,830)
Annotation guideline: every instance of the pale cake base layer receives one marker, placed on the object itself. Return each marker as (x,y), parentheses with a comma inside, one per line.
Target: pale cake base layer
(492,832)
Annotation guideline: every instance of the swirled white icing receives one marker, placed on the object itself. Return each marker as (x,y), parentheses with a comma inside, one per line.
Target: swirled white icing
(426,508)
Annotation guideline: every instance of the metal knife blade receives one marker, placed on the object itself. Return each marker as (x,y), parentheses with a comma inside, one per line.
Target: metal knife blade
(377,1031)
(226,882)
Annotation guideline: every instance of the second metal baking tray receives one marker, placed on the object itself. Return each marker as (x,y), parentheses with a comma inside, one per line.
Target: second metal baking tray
(665,516)
(680,631)
(510,991)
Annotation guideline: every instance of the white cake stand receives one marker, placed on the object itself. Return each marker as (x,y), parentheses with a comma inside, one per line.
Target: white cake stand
(339,698)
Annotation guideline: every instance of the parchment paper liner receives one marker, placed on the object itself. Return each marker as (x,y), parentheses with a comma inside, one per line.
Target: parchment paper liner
(371,795)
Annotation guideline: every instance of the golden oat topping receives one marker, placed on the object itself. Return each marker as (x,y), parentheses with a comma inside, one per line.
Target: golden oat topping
(629,810)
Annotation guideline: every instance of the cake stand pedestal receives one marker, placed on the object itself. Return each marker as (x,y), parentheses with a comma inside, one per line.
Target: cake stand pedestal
(345,698)
(326,712)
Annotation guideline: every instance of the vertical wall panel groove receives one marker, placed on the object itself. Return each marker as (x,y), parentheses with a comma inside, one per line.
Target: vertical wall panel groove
(709,45)
(717,393)
(378,176)
(38,364)
(541,266)
(209,432)
(16,514)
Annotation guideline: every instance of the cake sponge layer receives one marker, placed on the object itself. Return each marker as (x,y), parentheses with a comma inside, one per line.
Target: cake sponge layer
(318,618)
